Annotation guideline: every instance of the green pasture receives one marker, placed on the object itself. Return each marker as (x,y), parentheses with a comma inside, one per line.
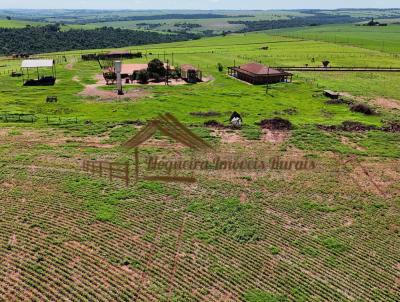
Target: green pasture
(381,38)
(301,102)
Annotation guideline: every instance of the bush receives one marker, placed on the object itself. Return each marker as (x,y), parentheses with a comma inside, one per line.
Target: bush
(156,66)
(143,76)
(220,67)
(325,63)
(362,108)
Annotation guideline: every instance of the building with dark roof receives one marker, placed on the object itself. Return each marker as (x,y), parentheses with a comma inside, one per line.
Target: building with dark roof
(257,74)
(191,74)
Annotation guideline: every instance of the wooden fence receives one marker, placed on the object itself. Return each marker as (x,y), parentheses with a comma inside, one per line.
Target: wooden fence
(339,69)
(109,169)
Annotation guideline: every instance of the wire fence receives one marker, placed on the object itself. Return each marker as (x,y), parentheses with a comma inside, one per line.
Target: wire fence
(32,118)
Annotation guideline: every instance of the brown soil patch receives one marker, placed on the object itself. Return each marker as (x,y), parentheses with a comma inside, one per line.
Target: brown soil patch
(107,95)
(228,137)
(387,103)
(346,141)
(69,66)
(76,79)
(274,136)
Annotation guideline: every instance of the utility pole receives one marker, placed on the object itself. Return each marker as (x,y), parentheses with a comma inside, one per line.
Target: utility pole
(118,69)
(167,74)
(267,81)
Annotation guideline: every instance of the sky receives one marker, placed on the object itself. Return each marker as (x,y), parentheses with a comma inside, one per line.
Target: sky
(198,4)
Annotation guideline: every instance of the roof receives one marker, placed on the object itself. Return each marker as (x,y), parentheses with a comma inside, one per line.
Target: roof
(119,52)
(188,67)
(37,63)
(259,69)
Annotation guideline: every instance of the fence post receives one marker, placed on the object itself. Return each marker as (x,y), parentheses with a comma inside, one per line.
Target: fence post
(127,174)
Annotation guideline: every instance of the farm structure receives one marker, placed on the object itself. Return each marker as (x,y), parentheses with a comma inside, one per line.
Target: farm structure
(191,74)
(41,79)
(128,69)
(255,73)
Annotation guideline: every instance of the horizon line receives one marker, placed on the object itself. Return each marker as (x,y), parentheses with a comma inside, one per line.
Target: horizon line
(199,9)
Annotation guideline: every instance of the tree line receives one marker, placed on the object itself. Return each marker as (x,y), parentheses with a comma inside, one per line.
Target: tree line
(315,20)
(49,38)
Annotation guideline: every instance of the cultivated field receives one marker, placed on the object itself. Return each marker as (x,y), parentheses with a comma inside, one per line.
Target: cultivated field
(331,234)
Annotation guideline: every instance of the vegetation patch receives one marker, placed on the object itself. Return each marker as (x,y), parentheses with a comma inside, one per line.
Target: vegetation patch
(226,217)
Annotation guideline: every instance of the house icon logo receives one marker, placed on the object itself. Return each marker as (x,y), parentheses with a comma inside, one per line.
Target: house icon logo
(169,126)
(182,168)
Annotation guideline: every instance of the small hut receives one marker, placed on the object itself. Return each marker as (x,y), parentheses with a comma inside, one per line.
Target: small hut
(38,68)
(257,74)
(191,74)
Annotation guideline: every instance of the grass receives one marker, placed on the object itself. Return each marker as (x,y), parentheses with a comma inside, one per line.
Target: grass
(17,23)
(385,39)
(324,235)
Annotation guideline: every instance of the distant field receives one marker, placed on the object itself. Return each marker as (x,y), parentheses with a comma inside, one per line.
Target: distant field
(216,25)
(386,39)
(16,23)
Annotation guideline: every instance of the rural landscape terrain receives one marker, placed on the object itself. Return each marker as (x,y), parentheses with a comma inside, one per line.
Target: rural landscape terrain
(327,234)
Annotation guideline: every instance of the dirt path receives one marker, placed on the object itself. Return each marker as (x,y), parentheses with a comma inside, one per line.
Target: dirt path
(110,95)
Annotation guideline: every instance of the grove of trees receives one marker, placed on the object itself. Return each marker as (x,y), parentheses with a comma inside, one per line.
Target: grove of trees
(49,38)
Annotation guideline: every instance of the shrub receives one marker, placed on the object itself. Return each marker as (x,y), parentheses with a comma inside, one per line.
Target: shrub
(325,63)
(156,66)
(220,67)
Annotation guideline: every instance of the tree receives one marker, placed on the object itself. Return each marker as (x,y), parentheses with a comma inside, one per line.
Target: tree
(325,63)
(220,67)
(156,66)
(8,18)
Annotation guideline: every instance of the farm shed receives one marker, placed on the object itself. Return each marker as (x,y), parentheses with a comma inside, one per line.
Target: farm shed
(257,74)
(191,74)
(40,78)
